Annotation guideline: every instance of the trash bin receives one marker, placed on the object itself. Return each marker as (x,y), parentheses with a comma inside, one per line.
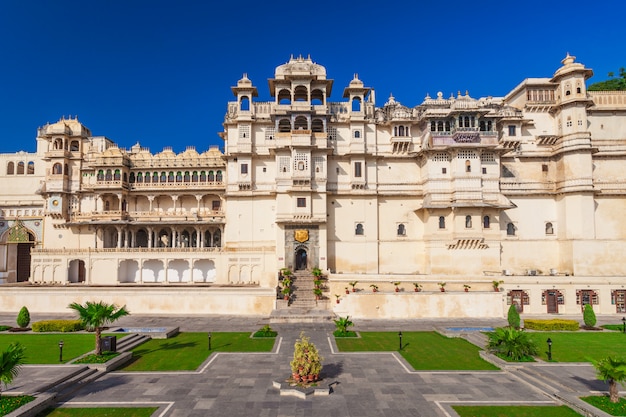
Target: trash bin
(108,344)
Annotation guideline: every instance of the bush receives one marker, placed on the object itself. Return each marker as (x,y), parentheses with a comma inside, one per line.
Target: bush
(58,326)
(550,325)
(265,331)
(589,317)
(513,317)
(512,344)
(23,317)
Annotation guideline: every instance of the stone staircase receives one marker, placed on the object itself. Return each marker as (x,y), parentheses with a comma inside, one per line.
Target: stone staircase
(303,305)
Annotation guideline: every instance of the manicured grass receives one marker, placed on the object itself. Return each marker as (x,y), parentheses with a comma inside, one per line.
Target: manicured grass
(11,403)
(580,346)
(44,348)
(616,327)
(99,412)
(187,351)
(604,403)
(349,333)
(423,350)
(514,411)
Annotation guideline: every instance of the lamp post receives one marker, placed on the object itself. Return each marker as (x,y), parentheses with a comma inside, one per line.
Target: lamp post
(624,324)
(60,351)
(400,337)
(209,340)
(549,341)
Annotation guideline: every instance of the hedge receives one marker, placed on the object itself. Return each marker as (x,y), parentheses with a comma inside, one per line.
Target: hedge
(549,325)
(57,326)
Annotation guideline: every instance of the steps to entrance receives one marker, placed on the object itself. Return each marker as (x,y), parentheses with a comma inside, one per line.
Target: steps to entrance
(303,307)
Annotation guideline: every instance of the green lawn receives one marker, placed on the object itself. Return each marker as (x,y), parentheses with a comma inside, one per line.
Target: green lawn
(604,403)
(187,351)
(11,403)
(423,350)
(99,412)
(580,346)
(514,411)
(43,348)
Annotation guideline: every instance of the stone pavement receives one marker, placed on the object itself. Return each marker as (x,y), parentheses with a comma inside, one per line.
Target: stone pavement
(363,384)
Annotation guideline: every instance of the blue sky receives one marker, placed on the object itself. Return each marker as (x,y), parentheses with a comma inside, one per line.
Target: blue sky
(159,72)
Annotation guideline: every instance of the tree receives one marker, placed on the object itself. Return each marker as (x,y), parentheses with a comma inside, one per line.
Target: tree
(589,317)
(23,318)
(11,361)
(612,370)
(613,84)
(513,317)
(342,324)
(95,316)
(511,343)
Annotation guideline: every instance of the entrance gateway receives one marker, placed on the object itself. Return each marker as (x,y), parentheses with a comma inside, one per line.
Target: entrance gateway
(301,247)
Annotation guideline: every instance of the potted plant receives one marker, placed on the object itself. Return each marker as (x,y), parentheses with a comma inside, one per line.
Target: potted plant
(466,287)
(286,291)
(496,285)
(397,284)
(353,284)
(442,286)
(287,282)
(417,286)
(337,296)
(285,272)
(347,290)
(306,364)
(317,283)
(316,272)
(318,293)
(374,287)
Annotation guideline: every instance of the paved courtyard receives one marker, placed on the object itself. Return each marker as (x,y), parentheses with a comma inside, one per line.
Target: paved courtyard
(362,384)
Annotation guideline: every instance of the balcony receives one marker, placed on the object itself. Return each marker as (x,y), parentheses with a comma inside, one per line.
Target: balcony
(171,186)
(202,215)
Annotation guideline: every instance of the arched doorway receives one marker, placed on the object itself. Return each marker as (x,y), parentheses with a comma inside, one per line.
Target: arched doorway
(301,259)
(22,241)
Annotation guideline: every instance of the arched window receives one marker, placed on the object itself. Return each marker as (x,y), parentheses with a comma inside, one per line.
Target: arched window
(186,177)
(359,229)
(57,169)
(356,104)
(549,229)
(125,177)
(20,168)
(194,176)
(10,168)
(468,222)
(218,177)
(442,222)
(139,177)
(510,229)
(107,206)
(244,105)
(211,176)
(486,222)
(118,175)
(100,176)
(155,176)
(179,176)
(132,177)
(401,230)
(284,97)
(357,134)
(468,166)
(301,93)
(217,238)
(163,177)
(401,131)
(108,176)
(317,125)
(202,176)
(30,169)
(284,125)
(170,176)
(301,123)
(74,146)
(439,126)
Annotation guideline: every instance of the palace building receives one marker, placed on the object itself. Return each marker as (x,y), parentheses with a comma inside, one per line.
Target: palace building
(448,196)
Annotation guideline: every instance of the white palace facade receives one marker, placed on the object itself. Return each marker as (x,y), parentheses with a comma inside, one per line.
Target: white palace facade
(526,190)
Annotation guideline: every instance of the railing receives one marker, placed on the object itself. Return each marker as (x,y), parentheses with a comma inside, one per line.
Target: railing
(157,185)
(124,250)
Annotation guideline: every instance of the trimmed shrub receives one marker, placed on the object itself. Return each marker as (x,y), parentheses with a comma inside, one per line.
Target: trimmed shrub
(513,317)
(549,325)
(58,326)
(589,317)
(23,317)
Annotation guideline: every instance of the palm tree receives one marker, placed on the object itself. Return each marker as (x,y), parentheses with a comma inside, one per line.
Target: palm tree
(11,361)
(612,370)
(511,343)
(95,316)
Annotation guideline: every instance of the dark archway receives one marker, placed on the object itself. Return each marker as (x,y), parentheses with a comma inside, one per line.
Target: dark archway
(23,259)
(301,259)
